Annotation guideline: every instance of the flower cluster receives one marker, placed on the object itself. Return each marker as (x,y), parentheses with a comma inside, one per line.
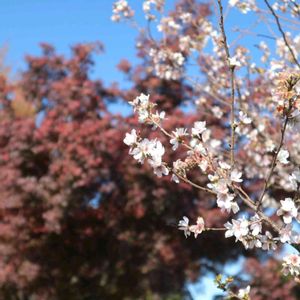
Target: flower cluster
(142,149)
(249,233)
(294,179)
(244,293)
(188,229)
(148,5)
(143,107)
(178,136)
(283,156)
(238,228)
(243,6)
(121,9)
(168,25)
(287,93)
(291,265)
(221,185)
(288,210)
(167,64)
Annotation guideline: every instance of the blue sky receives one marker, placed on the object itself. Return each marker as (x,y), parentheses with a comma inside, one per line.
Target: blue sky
(24,24)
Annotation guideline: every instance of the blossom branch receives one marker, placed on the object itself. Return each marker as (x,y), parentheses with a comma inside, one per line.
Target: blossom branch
(248,201)
(215,229)
(282,33)
(231,68)
(165,132)
(273,165)
(186,180)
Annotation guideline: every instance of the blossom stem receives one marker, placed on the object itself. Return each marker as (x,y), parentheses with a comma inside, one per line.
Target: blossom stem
(248,201)
(232,84)
(215,229)
(282,33)
(186,180)
(273,165)
(168,134)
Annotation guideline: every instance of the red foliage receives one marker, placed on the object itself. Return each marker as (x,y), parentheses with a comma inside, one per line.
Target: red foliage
(78,218)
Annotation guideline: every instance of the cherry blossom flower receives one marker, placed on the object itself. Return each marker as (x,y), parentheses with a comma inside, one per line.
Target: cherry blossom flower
(286,234)
(218,113)
(158,117)
(121,8)
(294,179)
(256,225)
(226,203)
(233,62)
(142,100)
(291,264)
(205,135)
(236,176)
(268,242)
(140,152)
(238,228)
(179,133)
(141,106)
(184,225)
(198,228)
(224,165)
(186,17)
(243,6)
(244,118)
(203,165)
(131,138)
(244,293)
(283,156)
(199,128)
(168,25)
(288,210)
(218,185)
(251,242)
(174,178)
(160,170)
(148,4)
(167,64)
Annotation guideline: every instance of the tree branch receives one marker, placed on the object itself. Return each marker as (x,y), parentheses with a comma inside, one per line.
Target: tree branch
(231,68)
(273,165)
(282,33)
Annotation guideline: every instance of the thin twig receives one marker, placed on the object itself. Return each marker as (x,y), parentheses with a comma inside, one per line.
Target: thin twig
(247,200)
(282,33)
(186,180)
(231,68)
(215,228)
(169,134)
(273,165)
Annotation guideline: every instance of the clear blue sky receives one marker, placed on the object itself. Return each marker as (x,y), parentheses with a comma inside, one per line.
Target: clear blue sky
(26,23)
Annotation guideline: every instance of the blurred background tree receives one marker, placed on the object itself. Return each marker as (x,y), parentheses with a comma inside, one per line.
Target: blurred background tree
(79,220)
